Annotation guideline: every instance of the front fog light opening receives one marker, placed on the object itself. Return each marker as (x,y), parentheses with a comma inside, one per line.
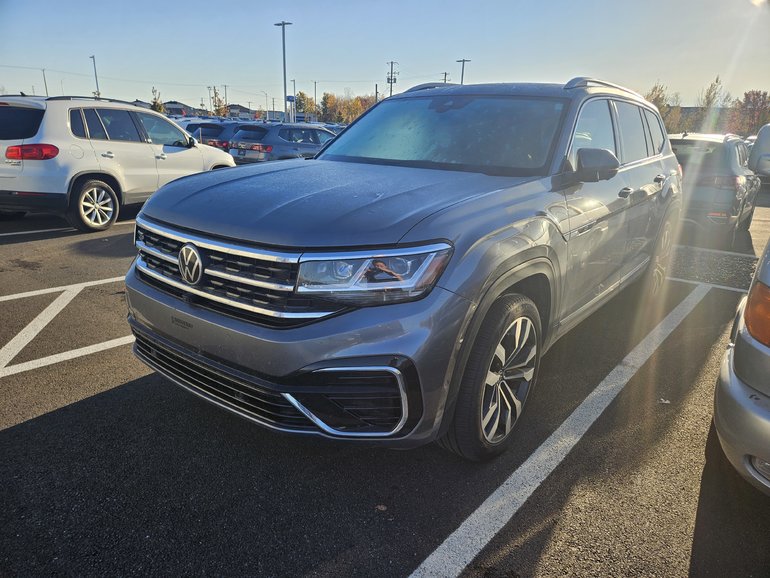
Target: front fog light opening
(761,466)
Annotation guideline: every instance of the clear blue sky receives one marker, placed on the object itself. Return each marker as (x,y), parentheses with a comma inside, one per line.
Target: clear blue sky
(181,47)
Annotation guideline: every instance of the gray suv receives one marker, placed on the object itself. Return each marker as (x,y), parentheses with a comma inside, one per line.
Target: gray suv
(403,286)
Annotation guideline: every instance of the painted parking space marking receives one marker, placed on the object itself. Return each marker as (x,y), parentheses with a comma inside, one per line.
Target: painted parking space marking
(715,251)
(65,356)
(57,230)
(465,543)
(709,285)
(73,286)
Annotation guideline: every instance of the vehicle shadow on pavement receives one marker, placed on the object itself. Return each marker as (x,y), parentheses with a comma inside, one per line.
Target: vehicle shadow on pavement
(731,515)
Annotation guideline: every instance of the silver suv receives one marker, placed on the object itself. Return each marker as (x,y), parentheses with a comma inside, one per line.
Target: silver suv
(84,158)
(403,286)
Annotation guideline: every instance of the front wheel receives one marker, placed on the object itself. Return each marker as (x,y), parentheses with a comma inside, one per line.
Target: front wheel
(501,371)
(93,207)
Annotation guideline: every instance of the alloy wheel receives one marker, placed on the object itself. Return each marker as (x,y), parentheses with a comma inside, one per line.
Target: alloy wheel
(508,380)
(97,206)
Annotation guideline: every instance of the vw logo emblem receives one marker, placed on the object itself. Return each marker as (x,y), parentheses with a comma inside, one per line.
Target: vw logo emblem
(190,264)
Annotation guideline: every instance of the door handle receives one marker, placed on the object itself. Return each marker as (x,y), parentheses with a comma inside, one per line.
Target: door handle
(660,179)
(625,192)
(108,155)
(161,156)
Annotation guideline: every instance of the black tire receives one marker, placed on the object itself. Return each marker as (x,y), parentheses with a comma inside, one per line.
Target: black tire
(468,436)
(660,263)
(94,206)
(11,215)
(746,223)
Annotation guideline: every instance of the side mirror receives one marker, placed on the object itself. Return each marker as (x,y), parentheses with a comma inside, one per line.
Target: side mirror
(192,142)
(595,165)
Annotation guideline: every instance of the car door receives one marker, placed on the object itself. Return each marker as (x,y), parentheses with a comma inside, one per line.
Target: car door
(121,151)
(174,154)
(644,177)
(597,228)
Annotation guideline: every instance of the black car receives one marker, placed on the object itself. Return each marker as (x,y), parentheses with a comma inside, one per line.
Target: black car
(720,189)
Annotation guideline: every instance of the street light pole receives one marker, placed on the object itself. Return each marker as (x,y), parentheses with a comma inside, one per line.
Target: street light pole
(98,94)
(462,73)
(45,82)
(267,116)
(294,102)
(283,24)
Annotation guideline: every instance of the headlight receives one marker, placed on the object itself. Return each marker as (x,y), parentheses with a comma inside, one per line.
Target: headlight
(362,278)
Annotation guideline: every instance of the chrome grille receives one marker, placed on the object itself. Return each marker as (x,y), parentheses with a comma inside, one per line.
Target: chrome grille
(245,282)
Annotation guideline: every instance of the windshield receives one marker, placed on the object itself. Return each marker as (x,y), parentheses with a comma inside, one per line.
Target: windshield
(491,134)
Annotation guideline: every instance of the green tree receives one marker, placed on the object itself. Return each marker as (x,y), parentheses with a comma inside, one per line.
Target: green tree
(157,103)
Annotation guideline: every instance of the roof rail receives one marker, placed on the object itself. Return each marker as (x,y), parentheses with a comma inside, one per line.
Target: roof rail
(90,98)
(586,81)
(428,85)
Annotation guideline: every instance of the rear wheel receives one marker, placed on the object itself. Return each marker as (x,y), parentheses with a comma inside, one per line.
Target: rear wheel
(660,263)
(744,226)
(501,370)
(94,207)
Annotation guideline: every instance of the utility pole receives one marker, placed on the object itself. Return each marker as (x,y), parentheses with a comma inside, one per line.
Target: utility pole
(266,106)
(274,105)
(294,102)
(376,94)
(211,103)
(44,82)
(445,76)
(462,74)
(391,78)
(315,93)
(283,24)
(97,93)
(61,81)
(225,94)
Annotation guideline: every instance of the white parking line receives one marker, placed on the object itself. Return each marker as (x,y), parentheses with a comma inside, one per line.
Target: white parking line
(78,286)
(15,345)
(17,233)
(464,544)
(709,285)
(66,356)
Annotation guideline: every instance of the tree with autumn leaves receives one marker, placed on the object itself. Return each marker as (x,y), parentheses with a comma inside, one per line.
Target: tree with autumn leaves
(334,108)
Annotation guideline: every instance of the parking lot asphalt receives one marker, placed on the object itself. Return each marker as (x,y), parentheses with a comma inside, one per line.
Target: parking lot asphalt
(106,468)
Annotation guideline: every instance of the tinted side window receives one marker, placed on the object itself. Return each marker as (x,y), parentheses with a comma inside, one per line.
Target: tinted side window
(76,123)
(119,125)
(251,133)
(323,136)
(593,130)
(95,128)
(18,122)
(631,132)
(658,138)
(162,132)
(286,134)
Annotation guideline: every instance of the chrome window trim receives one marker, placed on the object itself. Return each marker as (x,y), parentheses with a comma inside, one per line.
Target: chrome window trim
(327,429)
(140,264)
(222,247)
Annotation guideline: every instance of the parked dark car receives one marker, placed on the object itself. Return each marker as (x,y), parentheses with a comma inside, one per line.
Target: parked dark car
(402,286)
(216,134)
(720,191)
(742,398)
(270,142)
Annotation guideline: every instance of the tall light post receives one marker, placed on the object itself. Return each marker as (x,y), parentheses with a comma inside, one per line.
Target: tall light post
(294,102)
(45,82)
(283,24)
(97,93)
(462,73)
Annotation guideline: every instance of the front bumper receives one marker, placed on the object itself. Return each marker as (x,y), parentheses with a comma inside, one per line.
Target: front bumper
(742,420)
(397,357)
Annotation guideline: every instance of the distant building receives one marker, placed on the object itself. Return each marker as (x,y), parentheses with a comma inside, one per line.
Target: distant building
(142,104)
(179,108)
(239,111)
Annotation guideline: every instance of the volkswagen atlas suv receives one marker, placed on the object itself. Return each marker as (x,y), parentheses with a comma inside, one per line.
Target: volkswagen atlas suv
(84,158)
(403,285)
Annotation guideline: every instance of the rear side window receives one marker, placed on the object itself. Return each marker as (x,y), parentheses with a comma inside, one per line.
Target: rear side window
(162,132)
(250,133)
(658,138)
(95,128)
(634,143)
(202,131)
(119,125)
(18,122)
(76,123)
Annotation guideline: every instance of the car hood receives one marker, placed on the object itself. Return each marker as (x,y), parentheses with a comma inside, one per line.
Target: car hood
(315,203)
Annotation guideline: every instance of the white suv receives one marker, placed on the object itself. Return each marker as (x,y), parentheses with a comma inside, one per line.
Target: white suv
(84,157)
